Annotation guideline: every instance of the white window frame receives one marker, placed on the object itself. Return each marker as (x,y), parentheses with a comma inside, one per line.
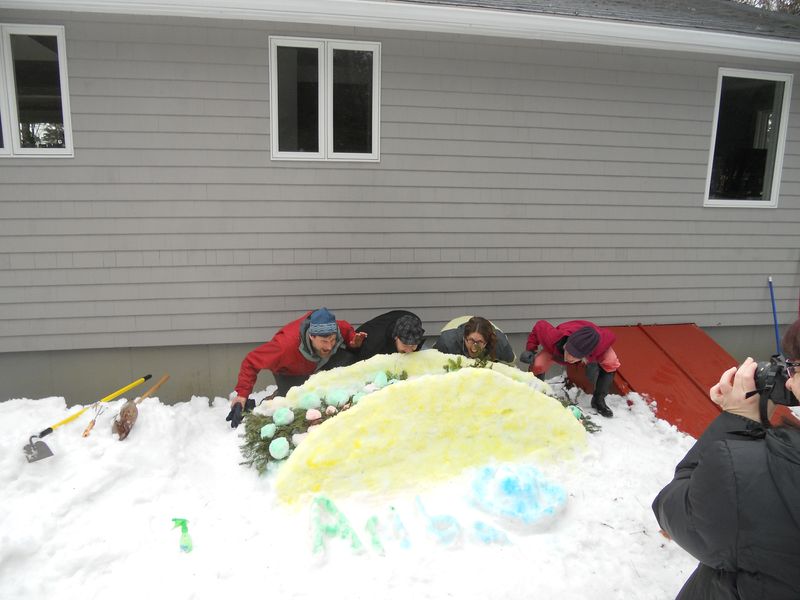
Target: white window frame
(325,48)
(4,101)
(780,147)
(8,93)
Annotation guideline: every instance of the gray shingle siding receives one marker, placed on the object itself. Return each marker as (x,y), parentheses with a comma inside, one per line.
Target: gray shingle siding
(519,180)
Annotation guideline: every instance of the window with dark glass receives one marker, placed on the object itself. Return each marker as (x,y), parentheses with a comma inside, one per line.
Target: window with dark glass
(325,98)
(352,101)
(748,141)
(298,93)
(38,91)
(34,119)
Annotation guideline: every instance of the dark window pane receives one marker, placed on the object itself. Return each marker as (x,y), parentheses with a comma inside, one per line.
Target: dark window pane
(747,139)
(298,104)
(36,77)
(352,101)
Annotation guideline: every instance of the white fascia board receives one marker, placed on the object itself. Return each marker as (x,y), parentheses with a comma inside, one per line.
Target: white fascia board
(443,19)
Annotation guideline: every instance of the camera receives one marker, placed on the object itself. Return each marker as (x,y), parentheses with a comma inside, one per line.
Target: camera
(771,381)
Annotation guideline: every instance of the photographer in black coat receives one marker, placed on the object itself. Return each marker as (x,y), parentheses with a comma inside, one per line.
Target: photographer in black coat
(735,501)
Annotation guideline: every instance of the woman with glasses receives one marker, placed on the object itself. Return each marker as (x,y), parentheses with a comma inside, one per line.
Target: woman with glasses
(475,337)
(735,501)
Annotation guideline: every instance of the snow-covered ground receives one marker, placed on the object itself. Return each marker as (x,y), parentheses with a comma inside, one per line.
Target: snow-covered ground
(95,519)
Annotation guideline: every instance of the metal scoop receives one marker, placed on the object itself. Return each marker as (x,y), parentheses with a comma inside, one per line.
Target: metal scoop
(36,450)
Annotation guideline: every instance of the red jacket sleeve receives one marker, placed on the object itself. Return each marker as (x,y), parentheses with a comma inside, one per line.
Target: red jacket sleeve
(266,356)
(537,335)
(347,331)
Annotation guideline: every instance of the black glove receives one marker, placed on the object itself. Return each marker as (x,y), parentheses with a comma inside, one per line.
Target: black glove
(527,357)
(236,416)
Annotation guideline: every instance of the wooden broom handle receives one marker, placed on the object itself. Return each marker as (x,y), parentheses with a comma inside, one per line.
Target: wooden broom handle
(157,385)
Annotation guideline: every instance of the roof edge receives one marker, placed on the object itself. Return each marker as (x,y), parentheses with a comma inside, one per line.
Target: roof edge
(441,19)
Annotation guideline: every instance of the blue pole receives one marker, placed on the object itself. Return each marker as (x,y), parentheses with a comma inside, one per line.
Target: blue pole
(774,316)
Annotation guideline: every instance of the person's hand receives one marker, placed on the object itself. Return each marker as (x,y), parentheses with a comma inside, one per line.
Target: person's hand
(730,394)
(527,357)
(238,406)
(235,416)
(358,339)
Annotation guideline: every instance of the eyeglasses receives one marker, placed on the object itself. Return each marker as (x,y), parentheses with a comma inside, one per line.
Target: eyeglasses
(474,342)
(791,368)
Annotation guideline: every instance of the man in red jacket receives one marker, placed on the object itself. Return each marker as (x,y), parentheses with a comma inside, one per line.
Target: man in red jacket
(574,342)
(314,342)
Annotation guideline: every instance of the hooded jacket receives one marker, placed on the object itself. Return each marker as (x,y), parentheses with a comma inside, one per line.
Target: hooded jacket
(289,352)
(544,334)
(735,506)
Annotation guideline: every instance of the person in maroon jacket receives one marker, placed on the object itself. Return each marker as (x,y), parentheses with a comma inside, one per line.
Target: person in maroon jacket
(314,342)
(574,342)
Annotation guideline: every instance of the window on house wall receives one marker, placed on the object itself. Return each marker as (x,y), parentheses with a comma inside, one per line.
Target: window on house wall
(324,99)
(748,138)
(34,97)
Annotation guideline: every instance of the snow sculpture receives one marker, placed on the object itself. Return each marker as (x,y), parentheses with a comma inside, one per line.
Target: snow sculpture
(426,429)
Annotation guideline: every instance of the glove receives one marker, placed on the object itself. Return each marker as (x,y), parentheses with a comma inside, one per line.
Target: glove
(527,357)
(236,415)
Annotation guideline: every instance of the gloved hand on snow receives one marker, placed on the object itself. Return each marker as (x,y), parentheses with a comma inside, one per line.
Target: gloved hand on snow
(235,416)
(527,357)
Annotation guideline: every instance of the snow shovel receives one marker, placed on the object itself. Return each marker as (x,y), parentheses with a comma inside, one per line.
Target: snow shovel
(129,412)
(37,450)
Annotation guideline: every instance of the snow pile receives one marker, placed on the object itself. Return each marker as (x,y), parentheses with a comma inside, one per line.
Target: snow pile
(95,519)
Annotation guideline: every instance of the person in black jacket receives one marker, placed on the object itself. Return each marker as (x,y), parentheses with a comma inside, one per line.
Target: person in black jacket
(394,331)
(735,501)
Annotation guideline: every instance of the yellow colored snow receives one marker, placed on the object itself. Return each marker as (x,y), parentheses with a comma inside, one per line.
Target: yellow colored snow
(415,364)
(428,429)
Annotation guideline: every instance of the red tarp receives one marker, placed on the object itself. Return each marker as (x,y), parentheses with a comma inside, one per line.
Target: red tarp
(672,365)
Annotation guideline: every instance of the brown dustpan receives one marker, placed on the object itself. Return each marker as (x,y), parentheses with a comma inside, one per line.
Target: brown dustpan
(129,412)
(37,450)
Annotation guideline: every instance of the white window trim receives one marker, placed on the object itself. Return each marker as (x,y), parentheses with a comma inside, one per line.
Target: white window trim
(4,102)
(274,42)
(780,148)
(325,100)
(8,104)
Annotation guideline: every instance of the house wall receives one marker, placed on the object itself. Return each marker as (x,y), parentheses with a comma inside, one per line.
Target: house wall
(518,180)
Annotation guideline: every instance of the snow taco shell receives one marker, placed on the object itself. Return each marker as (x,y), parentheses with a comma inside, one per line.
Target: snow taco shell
(429,429)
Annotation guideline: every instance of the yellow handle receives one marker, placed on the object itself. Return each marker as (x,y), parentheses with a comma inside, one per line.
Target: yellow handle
(111,396)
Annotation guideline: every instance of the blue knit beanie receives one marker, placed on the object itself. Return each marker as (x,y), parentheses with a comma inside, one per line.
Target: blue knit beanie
(323,322)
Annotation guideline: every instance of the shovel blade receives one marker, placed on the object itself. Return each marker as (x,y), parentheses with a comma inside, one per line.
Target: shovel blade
(36,450)
(123,424)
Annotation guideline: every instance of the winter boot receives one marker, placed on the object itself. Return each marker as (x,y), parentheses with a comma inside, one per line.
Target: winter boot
(599,404)
(601,388)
